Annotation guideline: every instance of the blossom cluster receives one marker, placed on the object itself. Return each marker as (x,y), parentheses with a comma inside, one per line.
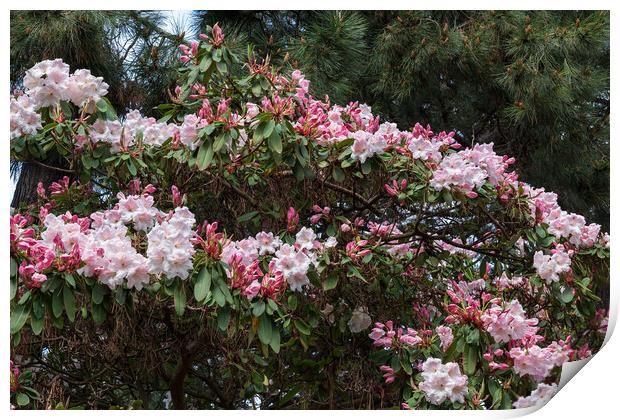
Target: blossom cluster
(385,336)
(536,361)
(101,246)
(288,262)
(122,135)
(25,121)
(549,267)
(443,382)
(539,396)
(545,209)
(509,322)
(49,82)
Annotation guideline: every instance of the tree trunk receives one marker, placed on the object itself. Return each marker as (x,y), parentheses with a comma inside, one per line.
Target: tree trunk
(29,176)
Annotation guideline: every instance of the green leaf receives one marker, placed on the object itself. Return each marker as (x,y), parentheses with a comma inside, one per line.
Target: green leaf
(275,142)
(470,359)
(102,106)
(98,293)
(204,156)
(292,302)
(57,303)
(331,282)
(25,297)
(267,128)
(406,364)
(132,168)
(275,340)
(247,216)
(13,267)
(13,280)
(36,324)
(219,297)
(338,174)
(220,141)
(258,308)
(69,301)
(366,167)
(567,295)
(99,314)
(193,75)
(180,300)
(13,283)
(205,63)
(221,67)
(302,327)
(22,399)
(203,285)
(18,317)
(540,231)
(223,317)
(264,329)
(70,279)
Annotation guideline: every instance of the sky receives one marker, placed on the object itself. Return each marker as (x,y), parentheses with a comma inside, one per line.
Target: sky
(181,16)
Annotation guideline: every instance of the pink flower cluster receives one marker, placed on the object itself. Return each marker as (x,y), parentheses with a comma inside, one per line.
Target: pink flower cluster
(25,121)
(288,262)
(384,335)
(571,226)
(443,382)
(424,145)
(549,267)
(469,169)
(101,246)
(445,336)
(170,245)
(123,135)
(538,362)
(508,322)
(539,396)
(49,82)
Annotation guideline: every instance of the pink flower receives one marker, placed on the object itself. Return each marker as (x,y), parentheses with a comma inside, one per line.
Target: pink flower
(292,219)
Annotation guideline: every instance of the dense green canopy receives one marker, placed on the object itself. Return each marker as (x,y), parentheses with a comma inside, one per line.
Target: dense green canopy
(534,83)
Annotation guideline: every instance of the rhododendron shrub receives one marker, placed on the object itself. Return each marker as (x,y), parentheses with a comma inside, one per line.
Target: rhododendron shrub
(256,247)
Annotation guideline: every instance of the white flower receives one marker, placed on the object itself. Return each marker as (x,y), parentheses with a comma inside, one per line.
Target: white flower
(360,320)
(442,382)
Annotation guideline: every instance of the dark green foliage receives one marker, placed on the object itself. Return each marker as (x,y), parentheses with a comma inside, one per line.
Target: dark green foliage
(534,83)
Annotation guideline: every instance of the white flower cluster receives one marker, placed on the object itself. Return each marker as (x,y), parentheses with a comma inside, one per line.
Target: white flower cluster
(25,121)
(49,82)
(170,248)
(442,382)
(539,396)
